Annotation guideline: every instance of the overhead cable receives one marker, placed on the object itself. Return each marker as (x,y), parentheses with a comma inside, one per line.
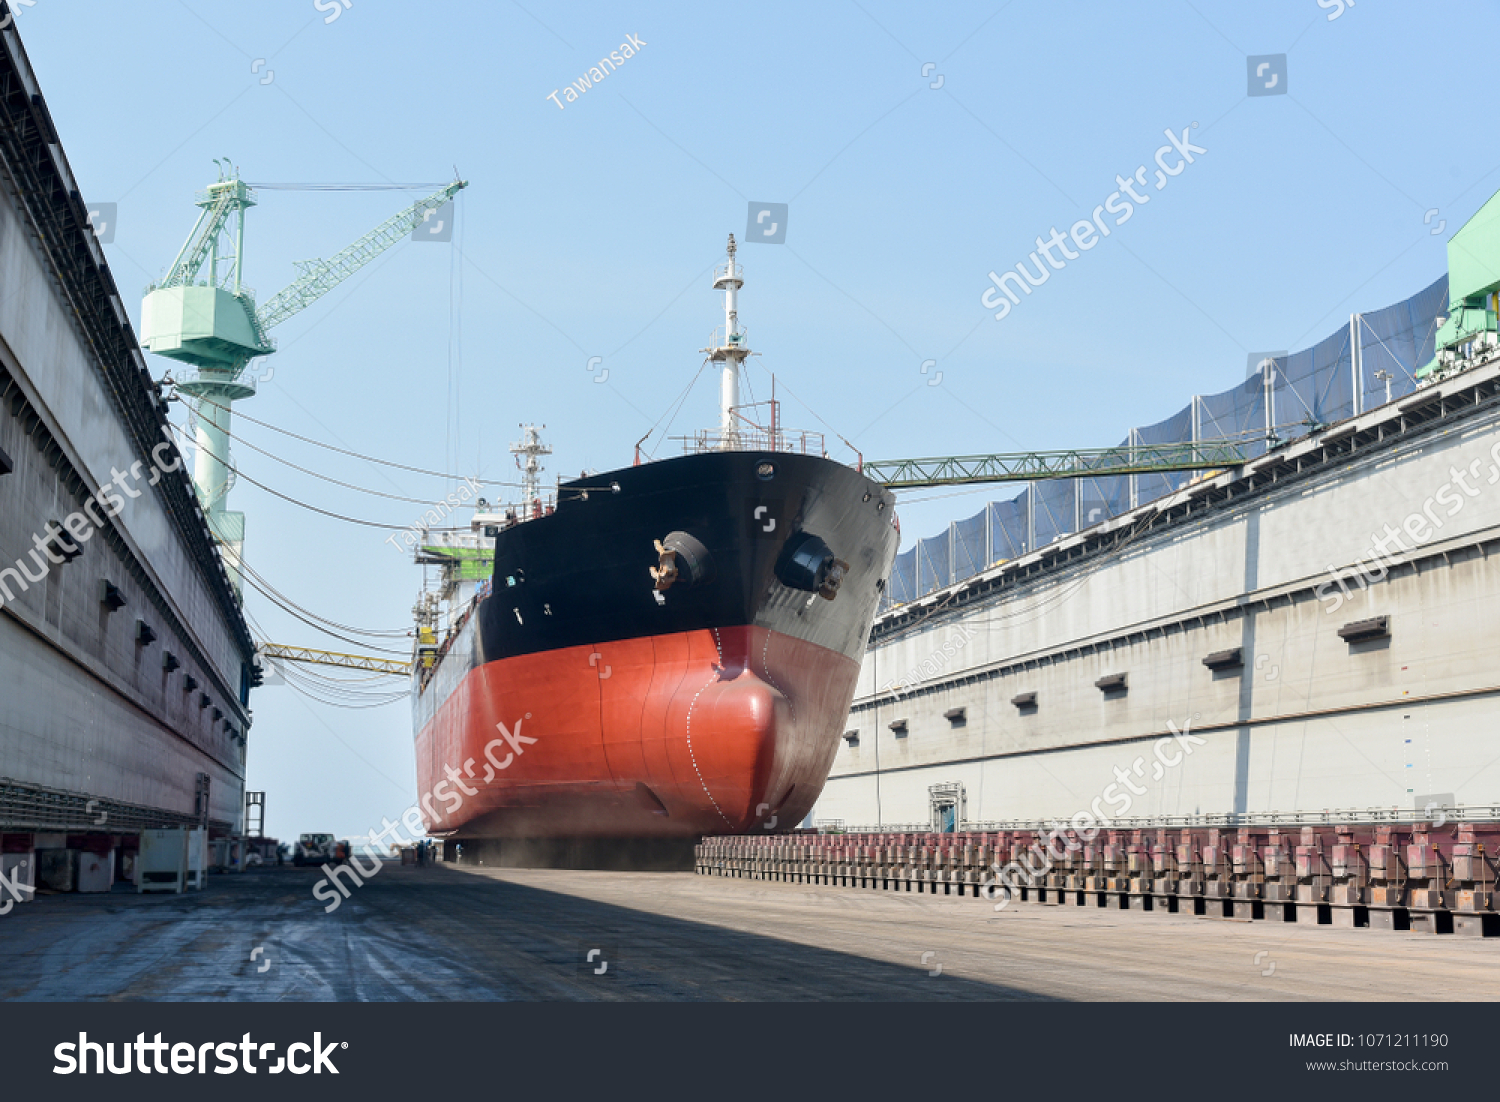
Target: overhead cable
(346,451)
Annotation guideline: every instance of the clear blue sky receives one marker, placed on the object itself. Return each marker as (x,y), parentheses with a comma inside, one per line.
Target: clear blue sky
(590,232)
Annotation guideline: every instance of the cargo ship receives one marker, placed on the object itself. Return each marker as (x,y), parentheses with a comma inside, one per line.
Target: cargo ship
(655,652)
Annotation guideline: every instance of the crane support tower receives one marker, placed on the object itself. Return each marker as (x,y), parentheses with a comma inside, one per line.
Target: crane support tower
(202,314)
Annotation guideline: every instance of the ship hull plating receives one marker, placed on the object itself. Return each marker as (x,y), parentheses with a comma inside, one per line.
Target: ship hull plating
(671,735)
(576,703)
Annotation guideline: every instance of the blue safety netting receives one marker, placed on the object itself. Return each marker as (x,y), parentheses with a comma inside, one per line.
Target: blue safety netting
(903,586)
(934,568)
(1174,430)
(1102,499)
(1316,386)
(1006,524)
(1053,513)
(1399,340)
(969,548)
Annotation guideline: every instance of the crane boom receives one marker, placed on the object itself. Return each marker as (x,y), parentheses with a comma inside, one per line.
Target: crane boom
(318,277)
(210,224)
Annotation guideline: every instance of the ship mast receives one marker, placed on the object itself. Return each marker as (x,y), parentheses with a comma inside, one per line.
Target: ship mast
(532,448)
(729,348)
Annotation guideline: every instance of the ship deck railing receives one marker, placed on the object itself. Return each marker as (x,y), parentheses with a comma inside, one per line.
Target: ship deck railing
(748,439)
(440,651)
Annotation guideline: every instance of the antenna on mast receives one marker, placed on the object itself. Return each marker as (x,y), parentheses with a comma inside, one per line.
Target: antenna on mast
(532,448)
(728,346)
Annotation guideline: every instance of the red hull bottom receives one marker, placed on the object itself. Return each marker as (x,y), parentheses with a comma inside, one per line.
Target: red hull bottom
(703,732)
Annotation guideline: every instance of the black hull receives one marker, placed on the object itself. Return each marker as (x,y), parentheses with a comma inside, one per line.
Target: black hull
(582,575)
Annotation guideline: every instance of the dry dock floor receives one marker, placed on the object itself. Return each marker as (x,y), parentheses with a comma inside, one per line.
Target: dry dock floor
(462,933)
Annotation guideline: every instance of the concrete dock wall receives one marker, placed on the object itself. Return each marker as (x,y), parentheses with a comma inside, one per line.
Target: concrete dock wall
(90,703)
(1300,718)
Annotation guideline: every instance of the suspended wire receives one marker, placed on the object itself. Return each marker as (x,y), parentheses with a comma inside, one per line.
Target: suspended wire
(354,678)
(909,498)
(364,646)
(458,339)
(297,501)
(345,451)
(291,605)
(315,474)
(355,686)
(345,188)
(336,690)
(333,692)
(818,418)
(750,387)
(292,608)
(681,401)
(351,687)
(313,693)
(332,704)
(356,682)
(297,614)
(345,690)
(450,408)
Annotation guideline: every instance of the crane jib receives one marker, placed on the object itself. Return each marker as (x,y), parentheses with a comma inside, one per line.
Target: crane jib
(321,276)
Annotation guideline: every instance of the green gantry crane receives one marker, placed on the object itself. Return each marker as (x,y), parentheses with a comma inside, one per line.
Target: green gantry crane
(202,314)
(963,470)
(1467,336)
